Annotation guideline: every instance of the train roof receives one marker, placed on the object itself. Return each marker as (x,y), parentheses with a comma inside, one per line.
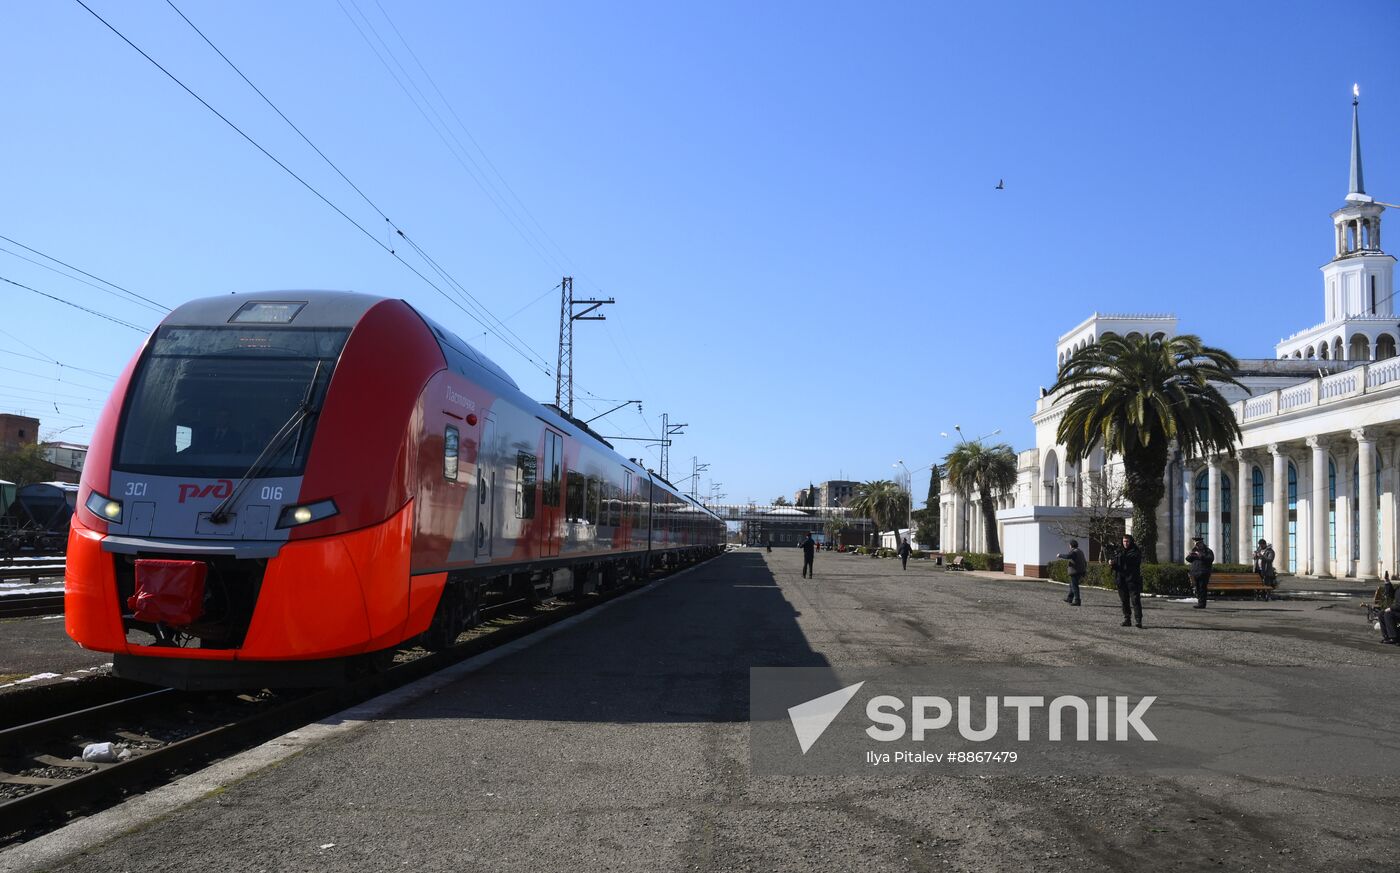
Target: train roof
(298,308)
(320,309)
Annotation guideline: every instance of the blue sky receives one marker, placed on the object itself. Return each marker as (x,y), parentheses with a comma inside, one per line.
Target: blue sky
(792,202)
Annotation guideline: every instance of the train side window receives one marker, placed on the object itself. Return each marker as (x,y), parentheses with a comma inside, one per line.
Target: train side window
(592,498)
(525,467)
(553,460)
(449,454)
(573,506)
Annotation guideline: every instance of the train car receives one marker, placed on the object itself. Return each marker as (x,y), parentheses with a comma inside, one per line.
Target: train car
(37,516)
(286,485)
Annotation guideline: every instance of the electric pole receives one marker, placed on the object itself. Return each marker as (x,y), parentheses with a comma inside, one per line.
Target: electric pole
(668,430)
(564,371)
(696,469)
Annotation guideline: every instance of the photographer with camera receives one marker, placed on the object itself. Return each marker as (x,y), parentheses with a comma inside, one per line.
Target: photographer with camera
(1201,560)
(1127,576)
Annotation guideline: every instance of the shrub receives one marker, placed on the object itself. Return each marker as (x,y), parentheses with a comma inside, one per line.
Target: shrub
(1168,579)
(885,553)
(1233,568)
(917,553)
(976,560)
(862,550)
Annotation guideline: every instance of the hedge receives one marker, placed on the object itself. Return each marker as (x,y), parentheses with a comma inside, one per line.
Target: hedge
(1168,579)
(976,560)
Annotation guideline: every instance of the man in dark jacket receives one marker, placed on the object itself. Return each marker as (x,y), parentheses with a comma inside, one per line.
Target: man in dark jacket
(809,552)
(904,553)
(1264,563)
(1078,566)
(1127,575)
(1201,559)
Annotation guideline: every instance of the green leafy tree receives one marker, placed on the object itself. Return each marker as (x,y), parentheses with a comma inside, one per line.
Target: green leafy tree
(984,471)
(883,502)
(835,525)
(1135,395)
(25,465)
(780,500)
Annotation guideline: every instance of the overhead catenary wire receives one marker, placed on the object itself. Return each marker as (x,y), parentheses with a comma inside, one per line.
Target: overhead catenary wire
(484,156)
(48,359)
(111,318)
(308,186)
(439,126)
(131,296)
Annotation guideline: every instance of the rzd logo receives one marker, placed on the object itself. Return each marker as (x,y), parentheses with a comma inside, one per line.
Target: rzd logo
(220,489)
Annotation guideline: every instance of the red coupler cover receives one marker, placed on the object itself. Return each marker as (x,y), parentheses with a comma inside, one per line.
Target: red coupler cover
(171,592)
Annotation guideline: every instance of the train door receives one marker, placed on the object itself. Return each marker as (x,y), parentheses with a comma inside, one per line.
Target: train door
(486,491)
(550,509)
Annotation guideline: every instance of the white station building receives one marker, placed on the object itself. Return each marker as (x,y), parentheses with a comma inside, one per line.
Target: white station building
(1317,473)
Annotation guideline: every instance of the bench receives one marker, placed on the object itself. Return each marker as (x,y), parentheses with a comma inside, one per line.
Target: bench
(1239,583)
(957,563)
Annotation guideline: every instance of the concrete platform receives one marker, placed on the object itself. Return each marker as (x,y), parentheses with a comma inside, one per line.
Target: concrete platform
(621,743)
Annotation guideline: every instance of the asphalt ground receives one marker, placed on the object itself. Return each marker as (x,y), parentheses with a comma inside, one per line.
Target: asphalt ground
(621,743)
(38,646)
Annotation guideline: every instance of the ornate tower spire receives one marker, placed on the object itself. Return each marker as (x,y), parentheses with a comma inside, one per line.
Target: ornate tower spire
(1357,192)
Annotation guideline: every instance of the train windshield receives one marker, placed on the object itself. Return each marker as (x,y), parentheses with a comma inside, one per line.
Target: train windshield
(207,401)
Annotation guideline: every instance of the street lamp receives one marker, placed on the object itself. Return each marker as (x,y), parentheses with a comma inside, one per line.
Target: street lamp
(961,438)
(908,499)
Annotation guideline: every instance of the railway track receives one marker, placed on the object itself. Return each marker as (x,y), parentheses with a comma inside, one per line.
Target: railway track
(43,779)
(18,574)
(42,603)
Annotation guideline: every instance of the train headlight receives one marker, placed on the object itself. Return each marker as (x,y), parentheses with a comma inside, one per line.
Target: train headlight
(104,507)
(307,513)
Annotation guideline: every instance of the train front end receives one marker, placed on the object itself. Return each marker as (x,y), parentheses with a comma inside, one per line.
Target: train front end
(244,517)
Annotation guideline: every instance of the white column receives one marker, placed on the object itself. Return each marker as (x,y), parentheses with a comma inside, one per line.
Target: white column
(1321,563)
(1214,527)
(1280,507)
(1244,509)
(1366,484)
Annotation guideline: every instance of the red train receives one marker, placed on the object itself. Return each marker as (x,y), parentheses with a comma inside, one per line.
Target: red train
(286,484)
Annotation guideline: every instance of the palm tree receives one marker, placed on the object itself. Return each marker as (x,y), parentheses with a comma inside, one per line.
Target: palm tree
(1137,394)
(973,468)
(881,501)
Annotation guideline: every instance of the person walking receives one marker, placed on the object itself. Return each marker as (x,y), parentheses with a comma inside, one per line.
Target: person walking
(809,552)
(1264,563)
(1390,613)
(1078,566)
(1201,559)
(904,553)
(1127,576)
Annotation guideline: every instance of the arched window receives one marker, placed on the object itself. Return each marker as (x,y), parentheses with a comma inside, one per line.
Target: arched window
(1322,351)
(1227,518)
(1292,517)
(1332,506)
(1052,480)
(1360,348)
(1337,349)
(1257,507)
(1202,506)
(1310,353)
(1385,347)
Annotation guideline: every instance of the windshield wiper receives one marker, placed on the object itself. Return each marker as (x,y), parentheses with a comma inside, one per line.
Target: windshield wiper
(293,425)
